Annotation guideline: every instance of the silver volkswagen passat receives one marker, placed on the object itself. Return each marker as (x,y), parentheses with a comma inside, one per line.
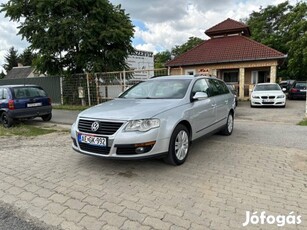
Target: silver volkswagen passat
(159,117)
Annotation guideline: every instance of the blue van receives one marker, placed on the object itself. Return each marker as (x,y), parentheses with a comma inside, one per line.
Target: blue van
(18,102)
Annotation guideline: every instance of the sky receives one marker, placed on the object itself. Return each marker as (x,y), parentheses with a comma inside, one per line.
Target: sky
(159,24)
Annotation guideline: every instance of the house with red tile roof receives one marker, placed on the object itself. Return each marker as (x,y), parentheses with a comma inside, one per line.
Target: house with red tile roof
(230,54)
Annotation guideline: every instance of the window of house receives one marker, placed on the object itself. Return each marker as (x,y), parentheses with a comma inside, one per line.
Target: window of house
(190,72)
(231,76)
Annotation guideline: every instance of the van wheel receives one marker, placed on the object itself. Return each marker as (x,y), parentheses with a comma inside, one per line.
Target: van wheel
(6,120)
(47,117)
(229,125)
(179,146)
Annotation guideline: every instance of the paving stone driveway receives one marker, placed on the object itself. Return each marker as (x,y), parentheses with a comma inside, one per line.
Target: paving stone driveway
(221,180)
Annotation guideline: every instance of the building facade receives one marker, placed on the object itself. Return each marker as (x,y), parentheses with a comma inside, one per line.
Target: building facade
(230,54)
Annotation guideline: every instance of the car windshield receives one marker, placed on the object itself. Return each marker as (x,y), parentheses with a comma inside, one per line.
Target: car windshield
(28,92)
(266,87)
(158,89)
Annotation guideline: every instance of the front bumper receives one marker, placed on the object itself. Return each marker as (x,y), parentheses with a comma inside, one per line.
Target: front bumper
(123,145)
(272,102)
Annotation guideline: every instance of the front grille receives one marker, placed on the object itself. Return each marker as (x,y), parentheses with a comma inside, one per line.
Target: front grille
(105,127)
(267,103)
(267,97)
(94,149)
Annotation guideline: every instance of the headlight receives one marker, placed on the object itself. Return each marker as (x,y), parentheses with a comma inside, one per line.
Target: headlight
(280,96)
(255,96)
(143,125)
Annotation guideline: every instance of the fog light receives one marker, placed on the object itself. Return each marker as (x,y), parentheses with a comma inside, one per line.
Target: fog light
(140,150)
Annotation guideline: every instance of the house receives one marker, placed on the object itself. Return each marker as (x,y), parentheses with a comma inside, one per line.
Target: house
(21,72)
(230,54)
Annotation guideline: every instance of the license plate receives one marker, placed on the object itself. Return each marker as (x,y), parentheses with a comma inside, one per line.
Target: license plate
(303,90)
(92,140)
(34,104)
(268,100)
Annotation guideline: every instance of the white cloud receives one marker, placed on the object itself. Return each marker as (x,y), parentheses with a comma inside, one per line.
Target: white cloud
(168,23)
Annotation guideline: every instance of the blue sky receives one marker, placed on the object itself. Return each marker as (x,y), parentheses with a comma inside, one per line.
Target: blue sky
(159,24)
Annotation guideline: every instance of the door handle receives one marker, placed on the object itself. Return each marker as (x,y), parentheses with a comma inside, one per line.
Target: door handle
(226,101)
(213,105)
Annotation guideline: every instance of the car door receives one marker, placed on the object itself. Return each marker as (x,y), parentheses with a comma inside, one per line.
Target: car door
(220,95)
(203,110)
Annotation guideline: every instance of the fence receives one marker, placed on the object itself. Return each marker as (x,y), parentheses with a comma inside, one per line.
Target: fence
(52,85)
(88,89)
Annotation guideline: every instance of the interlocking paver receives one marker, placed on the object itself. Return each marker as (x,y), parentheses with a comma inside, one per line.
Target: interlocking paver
(221,180)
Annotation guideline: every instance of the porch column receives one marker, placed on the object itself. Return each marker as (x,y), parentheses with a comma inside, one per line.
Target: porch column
(273,73)
(213,72)
(241,83)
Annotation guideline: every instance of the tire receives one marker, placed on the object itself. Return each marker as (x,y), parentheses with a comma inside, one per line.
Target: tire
(179,146)
(47,117)
(6,120)
(227,130)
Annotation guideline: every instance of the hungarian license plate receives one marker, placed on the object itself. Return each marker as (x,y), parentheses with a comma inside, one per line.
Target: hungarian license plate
(268,100)
(34,104)
(92,140)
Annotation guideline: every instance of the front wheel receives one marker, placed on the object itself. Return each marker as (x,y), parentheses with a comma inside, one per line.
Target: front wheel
(179,146)
(229,125)
(6,120)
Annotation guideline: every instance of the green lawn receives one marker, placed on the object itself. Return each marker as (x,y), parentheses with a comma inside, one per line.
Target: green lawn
(25,130)
(303,122)
(70,107)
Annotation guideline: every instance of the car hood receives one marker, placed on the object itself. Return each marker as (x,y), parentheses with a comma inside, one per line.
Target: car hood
(130,109)
(267,93)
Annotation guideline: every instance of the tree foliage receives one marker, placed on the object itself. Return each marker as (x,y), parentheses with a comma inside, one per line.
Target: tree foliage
(27,57)
(283,27)
(161,58)
(191,43)
(83,35)
(11,59)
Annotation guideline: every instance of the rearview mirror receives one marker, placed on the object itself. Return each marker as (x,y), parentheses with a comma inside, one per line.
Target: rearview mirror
(200,96)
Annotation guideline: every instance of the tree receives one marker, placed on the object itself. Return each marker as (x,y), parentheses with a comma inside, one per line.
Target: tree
(191,43)
(83,35)
(11,59)
(2,74)
(161,58)
(283,27)
(27,57)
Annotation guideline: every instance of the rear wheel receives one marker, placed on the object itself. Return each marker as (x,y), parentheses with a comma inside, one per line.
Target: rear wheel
(47,117)
(229,125)
(6,120)
(179,146)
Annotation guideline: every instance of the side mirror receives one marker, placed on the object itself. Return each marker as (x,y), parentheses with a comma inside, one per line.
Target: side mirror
(284,89)
(200,96)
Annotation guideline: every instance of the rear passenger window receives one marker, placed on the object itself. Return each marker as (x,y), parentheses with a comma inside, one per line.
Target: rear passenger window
(217,87)
(1,94)
(5,94)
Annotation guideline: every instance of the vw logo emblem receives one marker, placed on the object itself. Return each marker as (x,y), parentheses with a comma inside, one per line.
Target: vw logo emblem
(95,126)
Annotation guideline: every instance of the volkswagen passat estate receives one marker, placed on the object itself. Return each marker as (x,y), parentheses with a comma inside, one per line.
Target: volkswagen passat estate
(156,118)
(267,94)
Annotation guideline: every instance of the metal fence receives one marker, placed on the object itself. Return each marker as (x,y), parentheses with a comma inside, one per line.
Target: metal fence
(52,85)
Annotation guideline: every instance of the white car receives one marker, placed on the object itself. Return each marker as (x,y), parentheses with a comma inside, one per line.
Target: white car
(268,94)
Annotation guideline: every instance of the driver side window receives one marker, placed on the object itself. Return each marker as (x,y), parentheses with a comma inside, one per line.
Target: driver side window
(200,86)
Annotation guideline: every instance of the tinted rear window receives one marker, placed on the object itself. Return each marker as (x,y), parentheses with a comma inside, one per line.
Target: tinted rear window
(28,92)
(300,85)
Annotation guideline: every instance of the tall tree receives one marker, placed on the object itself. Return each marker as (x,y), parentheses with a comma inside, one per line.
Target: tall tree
(83,35)
(27,57)
(11,59)
(283,27)
(161,58)
(191,43)
(2,74)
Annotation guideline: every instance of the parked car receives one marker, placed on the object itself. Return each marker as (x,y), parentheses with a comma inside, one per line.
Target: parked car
(298,90)
(286,85)
(267,94)
(19,102)
(234,91)
(156,118)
